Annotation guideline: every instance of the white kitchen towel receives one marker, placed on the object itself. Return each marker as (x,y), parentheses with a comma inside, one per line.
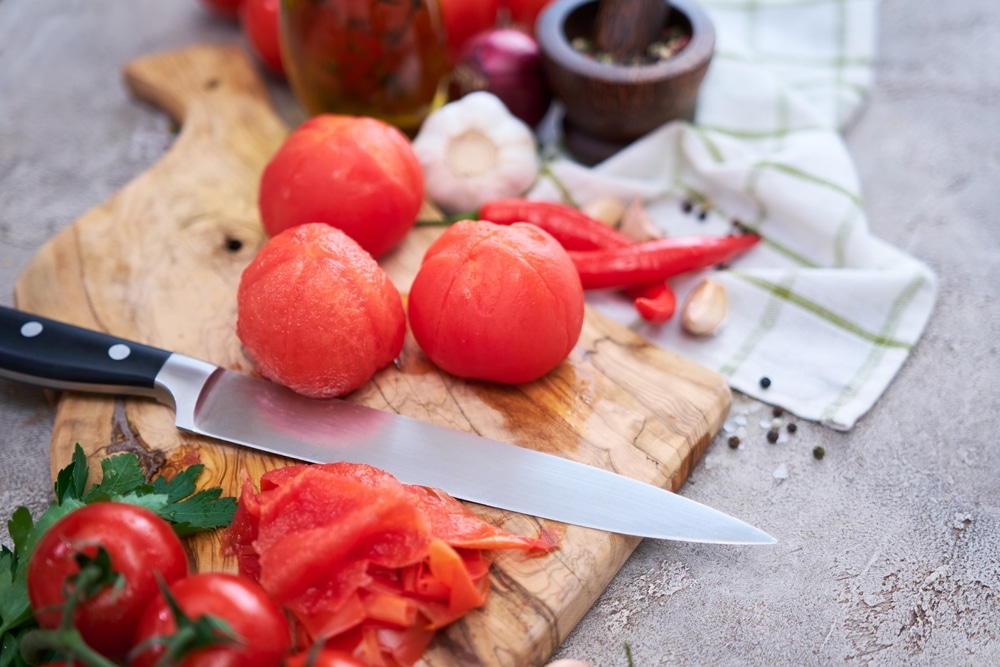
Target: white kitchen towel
(824,310)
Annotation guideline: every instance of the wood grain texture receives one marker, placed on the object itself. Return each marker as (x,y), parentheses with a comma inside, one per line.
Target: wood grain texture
(159,262)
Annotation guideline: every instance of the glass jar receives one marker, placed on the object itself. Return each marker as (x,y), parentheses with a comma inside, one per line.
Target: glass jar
(381,58)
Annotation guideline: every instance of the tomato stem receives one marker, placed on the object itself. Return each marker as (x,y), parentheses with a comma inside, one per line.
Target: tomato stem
(446,221)
(36,644)
(66,639)
(190,634)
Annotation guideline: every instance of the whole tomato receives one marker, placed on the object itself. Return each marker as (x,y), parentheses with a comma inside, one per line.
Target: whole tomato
(524,13)
(140,545)
(317,313)
(464,19)
(263,634)
(496,302)
(356,173)
(259,21)
(225,8)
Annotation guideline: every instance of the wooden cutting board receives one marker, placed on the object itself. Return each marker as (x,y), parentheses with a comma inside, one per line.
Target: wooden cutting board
(159,262)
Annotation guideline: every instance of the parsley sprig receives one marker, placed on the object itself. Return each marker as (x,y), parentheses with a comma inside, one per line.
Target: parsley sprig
(123,480)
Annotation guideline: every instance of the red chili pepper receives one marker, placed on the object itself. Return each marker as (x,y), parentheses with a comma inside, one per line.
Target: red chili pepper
(655,302)
(652,261)
(578,231)
(573,229)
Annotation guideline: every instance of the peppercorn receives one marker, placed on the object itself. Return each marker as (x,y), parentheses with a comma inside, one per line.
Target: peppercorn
(792,428)
(818,453)
(702,215)
(772,436)
(765,382)
(777,412)
(687,206)
(734,441)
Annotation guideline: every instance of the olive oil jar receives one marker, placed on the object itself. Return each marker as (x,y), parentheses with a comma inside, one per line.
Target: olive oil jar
(386,59)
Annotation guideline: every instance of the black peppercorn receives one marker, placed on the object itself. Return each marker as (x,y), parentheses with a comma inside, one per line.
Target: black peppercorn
(772,436)
(792,428)
(777,412)
(765,382)
(687,206)
(734,441)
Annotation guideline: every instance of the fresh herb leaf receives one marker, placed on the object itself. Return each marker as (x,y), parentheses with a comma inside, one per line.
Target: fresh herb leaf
(154,502)
(180,485)
(19,527)
(15,609)
(204,510)
(123,480)
(71,482)
(120,474)
(10,653)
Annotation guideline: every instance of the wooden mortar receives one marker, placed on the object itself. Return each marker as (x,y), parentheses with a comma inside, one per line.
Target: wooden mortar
(608,105)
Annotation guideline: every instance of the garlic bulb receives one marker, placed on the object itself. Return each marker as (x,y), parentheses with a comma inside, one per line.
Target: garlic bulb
(474,150)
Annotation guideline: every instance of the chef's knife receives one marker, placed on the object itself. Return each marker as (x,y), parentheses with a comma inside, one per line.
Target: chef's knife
(264,415)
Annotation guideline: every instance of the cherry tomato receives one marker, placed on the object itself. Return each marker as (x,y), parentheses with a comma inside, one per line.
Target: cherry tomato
(226,8)
(259,20)
(525,12)
(259,623)
(324,658)
(140,545)
(464,19)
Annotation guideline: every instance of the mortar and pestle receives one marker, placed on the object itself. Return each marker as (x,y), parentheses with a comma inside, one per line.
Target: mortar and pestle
(597,58)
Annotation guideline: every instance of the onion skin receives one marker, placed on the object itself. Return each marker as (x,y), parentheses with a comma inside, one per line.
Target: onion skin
(507,63)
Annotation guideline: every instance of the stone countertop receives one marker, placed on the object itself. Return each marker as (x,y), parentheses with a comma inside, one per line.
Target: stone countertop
(889,547)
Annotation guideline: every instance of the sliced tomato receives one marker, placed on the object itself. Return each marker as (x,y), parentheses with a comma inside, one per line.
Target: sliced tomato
(372,565)
(457,525)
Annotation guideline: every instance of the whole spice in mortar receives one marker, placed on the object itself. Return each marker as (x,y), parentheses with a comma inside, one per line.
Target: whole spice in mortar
(670,43)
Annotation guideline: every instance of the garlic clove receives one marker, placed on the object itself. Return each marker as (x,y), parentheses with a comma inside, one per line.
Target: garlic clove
(606,210)
(637,224)
(705,308)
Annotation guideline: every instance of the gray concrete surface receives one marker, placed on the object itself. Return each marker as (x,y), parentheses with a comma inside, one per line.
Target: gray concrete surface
(889,549)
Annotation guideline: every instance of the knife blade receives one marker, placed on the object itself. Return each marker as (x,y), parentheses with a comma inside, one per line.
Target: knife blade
(264,415)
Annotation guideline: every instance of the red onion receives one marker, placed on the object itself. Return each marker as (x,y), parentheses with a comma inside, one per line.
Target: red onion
(507,63)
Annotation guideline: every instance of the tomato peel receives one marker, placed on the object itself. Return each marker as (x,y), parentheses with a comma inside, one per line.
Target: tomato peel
(395,564)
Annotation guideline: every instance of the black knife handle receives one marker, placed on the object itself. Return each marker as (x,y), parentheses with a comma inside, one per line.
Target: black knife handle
(40,351)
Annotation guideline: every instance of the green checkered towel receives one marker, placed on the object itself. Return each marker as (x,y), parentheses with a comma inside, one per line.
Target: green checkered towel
(822,308)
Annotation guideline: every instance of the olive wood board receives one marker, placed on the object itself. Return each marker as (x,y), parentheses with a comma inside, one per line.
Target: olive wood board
(159,262)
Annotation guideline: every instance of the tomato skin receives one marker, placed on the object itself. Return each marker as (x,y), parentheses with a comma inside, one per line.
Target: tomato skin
(494,302)
(525,12)
(358,174)
(240,602)
(463,19)
(259,21)
(139,543)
